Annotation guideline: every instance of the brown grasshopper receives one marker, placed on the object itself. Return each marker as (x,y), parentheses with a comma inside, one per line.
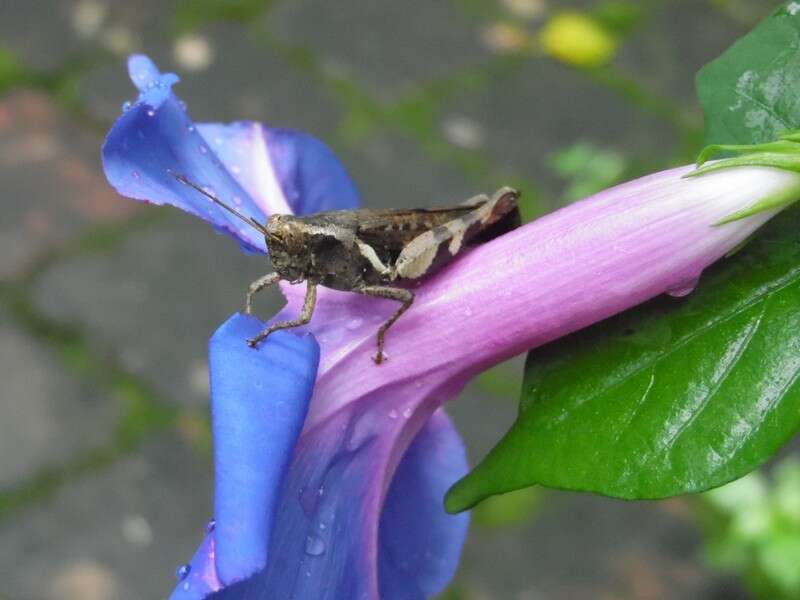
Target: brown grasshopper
(371,251)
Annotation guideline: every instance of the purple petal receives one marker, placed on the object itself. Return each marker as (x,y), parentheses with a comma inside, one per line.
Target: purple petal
(256,170)
(260,399)
(553,276)
(420,544)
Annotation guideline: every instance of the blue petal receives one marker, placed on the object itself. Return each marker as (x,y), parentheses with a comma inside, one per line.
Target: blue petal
(154,140)
(259,403)
(321,548)
(420,544)
(202,578)
(311,177)
(257,170)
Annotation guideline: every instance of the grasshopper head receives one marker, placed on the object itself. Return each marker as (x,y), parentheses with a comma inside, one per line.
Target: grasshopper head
(287,247)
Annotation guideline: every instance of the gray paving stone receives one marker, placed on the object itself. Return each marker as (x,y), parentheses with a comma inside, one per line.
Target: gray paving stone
(391,171)
(585,546)
(156,300)
(115,535)
(46,415)
(53,187)
(546,107)
(245,80)
(388,46)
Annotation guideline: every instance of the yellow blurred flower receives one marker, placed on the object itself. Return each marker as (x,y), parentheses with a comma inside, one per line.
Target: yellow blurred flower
(576,39)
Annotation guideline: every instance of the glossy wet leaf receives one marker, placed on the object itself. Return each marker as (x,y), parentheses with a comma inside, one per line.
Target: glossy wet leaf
(676,396)
(749,94)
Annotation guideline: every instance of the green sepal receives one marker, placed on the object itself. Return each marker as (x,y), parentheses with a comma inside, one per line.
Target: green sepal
(779,160)
(782,199)
(783,153)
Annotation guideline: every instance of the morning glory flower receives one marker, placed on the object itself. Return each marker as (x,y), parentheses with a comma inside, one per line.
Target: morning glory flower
(331,471)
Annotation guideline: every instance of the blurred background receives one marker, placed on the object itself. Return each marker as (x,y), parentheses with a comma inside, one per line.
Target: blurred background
(106,305)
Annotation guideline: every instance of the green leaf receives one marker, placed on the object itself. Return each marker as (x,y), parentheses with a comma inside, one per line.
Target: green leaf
(673,397)
(749,94)
(678,396)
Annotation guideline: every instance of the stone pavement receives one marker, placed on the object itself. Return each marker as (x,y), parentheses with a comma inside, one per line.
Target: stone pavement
(106,306)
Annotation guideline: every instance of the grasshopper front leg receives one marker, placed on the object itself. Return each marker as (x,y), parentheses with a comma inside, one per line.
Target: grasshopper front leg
(255,287)
(303,319)
(399,294)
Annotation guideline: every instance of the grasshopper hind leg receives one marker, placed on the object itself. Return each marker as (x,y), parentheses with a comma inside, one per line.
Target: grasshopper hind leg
(303,319)
(406,297)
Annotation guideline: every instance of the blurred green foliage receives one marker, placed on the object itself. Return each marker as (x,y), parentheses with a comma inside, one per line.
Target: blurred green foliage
(753,529)
(587,169)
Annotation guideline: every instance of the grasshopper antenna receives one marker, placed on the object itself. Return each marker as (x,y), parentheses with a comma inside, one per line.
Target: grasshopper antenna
(249,220)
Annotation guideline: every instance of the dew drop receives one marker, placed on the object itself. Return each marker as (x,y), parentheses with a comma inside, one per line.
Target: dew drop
(683,289)
(393,414)
(315,545)
(407,413)
(468,312)
(190,128)
(236,169)
(151,112)
(186,586)
(183,571)
(126,106)
(218,141)
(211,525)
(237,200)
(354,323)
(202,149)
(309,497)
(182,104)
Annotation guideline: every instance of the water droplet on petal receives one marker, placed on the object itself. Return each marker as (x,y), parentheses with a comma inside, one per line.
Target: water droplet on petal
(126,106)
(237,200)
(407,413)
(190,127)
(309,497)
(186,586)
(683,289)
(151,112)
(236,169)
(315,545)
(202,149)
(354,323)
(211,525)
(182,104)
(183,571)
(468,312)
(393,414)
